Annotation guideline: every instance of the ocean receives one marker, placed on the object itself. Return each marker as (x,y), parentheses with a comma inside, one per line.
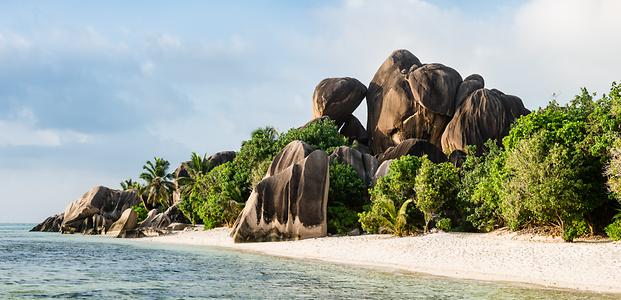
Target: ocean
(36,265)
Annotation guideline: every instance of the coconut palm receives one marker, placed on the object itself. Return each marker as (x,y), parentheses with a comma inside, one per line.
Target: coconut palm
(394,221)
(196,167)
(159,186)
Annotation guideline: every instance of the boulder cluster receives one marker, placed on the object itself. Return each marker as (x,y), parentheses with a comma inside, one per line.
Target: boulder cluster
(105,211)
(413,109)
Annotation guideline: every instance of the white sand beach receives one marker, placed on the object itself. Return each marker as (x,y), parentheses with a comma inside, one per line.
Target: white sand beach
(590,266)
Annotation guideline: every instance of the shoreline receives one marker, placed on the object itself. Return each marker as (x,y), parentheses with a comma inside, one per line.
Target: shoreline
(496,257)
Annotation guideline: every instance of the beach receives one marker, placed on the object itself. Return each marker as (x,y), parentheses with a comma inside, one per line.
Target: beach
(499,256)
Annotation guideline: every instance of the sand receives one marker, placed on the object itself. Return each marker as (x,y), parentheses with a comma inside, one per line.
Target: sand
(589,266)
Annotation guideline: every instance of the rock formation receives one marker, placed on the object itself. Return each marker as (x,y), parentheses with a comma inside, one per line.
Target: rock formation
(354,131)
(290,203)
(124,224)
(414,147)
(337,98)
(485,114)
(96,210)
(51,224)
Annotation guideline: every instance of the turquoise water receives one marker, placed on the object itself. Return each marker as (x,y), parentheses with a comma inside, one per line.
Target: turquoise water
(49,265)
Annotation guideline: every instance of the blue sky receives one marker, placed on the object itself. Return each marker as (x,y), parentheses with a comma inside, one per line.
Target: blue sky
(90,91)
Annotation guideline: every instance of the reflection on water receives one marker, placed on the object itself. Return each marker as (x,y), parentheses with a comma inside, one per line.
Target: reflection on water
(48,265)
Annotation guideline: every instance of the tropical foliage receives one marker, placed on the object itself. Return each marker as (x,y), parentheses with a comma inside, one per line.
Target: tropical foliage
(158,186)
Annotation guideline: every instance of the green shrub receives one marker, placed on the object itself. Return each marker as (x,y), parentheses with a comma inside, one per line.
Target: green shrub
(544,187)
(141,211)
(435,185)
(444,224)
(614,229)
(341,219)
(345,198)
(574,229)
(481,187)
(321,134)
(383,217)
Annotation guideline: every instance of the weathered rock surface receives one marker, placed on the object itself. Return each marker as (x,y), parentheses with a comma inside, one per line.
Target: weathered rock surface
(407,99)
(222,157)
(127,222)
(486,114)
(157,220)
(51,224)
(291,202)
(467,87)
(389,99)
(414,147)
(382,170)
(364,164)
(292,153)
(337,98)
(434,86)
(354,131)
(96,210)
(457,158)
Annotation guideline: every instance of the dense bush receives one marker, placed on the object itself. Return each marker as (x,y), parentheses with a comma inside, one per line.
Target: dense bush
(321,134)
(614,230)
(345,198)
(390,211)
(141,211)
(436,186)
(480,189)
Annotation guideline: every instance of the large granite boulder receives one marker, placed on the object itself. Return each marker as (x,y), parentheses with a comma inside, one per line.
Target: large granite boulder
(354,131)
(337,98)
(364,164)
(96,210)
(485,114)
(221,157)
(290,203)
(434,86)
(51,224)
(414,147)
(467,87)
(389,99)
(407,99)
(127,222)
(382,170)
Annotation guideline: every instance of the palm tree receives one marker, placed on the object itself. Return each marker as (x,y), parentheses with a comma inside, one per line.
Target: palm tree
(196,167)
(131,185)
(394,221)
(159,186)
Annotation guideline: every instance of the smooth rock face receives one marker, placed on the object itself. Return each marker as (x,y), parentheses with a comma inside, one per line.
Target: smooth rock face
(364,164)
(51,224)
(354,131)
(221,158)
(467,87)
(127,222)
(486,114)
(292,153)
(434,86)
(96,210)
(414,147)
(457,158)
(382,170)
(290,203)
(337,98)
(389,99)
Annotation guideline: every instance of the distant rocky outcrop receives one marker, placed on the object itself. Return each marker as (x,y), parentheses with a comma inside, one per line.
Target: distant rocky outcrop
(337,98)
(96,210)
(290,203)
(51,224)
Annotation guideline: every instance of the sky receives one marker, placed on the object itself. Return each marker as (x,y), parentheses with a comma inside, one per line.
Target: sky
(89,91)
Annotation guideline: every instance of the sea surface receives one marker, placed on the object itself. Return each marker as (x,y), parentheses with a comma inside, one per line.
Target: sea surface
(50,265)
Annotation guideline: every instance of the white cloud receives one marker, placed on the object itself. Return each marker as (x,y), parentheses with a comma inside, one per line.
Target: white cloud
(21,130)
(537,49)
